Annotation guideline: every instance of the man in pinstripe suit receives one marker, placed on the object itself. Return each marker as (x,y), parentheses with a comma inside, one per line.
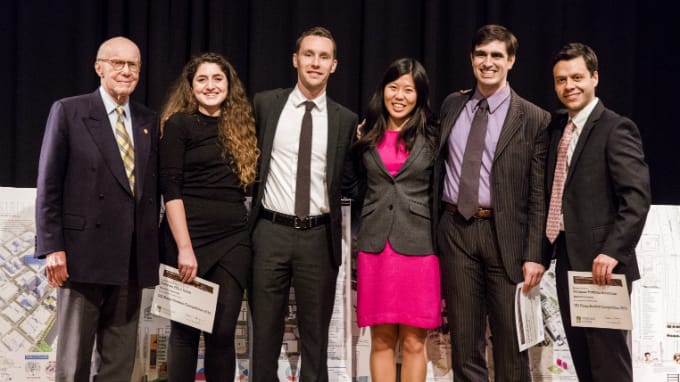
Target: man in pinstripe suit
(490,242)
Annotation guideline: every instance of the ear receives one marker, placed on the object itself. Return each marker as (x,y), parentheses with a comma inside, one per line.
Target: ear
(596,78)
(334,66)
(98,68)
(511,61)
(295,60)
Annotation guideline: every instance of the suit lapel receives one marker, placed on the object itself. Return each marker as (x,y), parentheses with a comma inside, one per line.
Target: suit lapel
(269,125)
(555,136)
(512,123)
(141,128)
(583,138)
(333,131)
(447,123)
(413,155)
(100,128)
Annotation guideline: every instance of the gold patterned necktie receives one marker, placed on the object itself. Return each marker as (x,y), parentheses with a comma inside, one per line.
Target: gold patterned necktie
(552,228)
(127,152)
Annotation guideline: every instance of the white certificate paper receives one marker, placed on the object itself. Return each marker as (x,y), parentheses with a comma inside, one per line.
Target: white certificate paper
(597,306)
(528,317)
(191,304)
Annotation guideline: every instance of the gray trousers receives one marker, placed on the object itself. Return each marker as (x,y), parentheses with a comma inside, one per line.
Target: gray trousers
(107,313)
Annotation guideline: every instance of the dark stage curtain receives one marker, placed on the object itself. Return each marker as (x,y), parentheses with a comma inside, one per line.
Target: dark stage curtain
(50,48)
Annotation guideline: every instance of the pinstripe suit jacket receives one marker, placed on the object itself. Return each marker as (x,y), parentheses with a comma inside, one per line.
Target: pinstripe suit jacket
(517,184)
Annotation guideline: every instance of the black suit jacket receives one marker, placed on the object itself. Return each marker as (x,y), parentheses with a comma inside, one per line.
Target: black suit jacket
(84,204)
(518,180)
(606,194)
(342,124)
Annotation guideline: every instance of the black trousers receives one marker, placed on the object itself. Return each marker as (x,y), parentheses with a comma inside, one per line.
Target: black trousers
(598,354)
(220,355)
(284,256)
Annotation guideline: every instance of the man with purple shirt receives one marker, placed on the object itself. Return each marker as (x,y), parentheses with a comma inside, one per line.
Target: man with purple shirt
(490,208)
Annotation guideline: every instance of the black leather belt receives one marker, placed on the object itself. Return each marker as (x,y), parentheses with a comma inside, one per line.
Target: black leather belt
(294,221)
(482,213)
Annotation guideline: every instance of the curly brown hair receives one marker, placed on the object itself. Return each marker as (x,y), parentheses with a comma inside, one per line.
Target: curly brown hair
(236,125)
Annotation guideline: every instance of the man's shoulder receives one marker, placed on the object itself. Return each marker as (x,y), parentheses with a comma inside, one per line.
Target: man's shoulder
(77,100)
(457,96)
(271,93)
(341,109)
(142,109)
(529,107)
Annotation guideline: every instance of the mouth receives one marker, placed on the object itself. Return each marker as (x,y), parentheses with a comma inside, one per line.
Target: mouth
(487,73)
(571,96)
(398,107)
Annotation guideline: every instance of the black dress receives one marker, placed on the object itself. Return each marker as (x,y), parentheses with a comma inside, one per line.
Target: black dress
(193,168)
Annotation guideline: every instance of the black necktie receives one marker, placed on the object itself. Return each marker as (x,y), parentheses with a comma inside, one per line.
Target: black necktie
(302,184)
(468,192)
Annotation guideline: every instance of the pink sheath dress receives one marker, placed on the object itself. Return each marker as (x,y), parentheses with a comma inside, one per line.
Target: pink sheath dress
(394,288)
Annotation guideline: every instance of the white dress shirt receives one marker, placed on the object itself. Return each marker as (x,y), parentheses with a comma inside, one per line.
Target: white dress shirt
(279,190)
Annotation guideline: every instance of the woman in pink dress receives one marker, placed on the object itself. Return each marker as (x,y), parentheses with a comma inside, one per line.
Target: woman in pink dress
(397,271)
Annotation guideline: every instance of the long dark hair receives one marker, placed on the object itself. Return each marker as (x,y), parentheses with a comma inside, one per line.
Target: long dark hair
(421,120)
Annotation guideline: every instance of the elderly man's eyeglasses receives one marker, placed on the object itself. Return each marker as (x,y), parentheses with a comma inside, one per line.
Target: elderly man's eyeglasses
(120,64)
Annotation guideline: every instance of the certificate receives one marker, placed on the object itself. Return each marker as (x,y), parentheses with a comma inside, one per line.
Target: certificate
(596,306)
(191,304)
(528,317)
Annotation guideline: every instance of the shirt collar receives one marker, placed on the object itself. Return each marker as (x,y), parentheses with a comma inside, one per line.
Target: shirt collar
(297,99)
(495,100)
(579,120)
(110,104)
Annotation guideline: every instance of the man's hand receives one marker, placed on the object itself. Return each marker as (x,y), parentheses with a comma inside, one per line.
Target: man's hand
(533,272)
(360,129)
(55,268)
(603,266)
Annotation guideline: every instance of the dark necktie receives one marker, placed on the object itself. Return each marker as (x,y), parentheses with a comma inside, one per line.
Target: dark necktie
(552,227)
(468,192)
(304,163)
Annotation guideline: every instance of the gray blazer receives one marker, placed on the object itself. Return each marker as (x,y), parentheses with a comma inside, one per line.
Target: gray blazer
(398,208)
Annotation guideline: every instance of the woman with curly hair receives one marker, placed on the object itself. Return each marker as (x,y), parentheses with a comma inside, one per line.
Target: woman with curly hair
(208,154)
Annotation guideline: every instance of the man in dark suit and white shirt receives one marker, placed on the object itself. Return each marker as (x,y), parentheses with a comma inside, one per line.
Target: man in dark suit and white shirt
(97,217)
(492,210)
(296,223)
(599,199)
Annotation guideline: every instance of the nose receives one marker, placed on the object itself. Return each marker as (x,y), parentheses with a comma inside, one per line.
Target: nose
(126,68)
(487,60)
(315,60)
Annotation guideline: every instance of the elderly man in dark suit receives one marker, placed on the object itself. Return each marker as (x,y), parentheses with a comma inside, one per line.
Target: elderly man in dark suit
(304,139)
(97,217)
(490,181)
(599,200)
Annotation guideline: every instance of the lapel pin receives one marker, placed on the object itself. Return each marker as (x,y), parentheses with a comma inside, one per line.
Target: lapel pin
(146,131)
